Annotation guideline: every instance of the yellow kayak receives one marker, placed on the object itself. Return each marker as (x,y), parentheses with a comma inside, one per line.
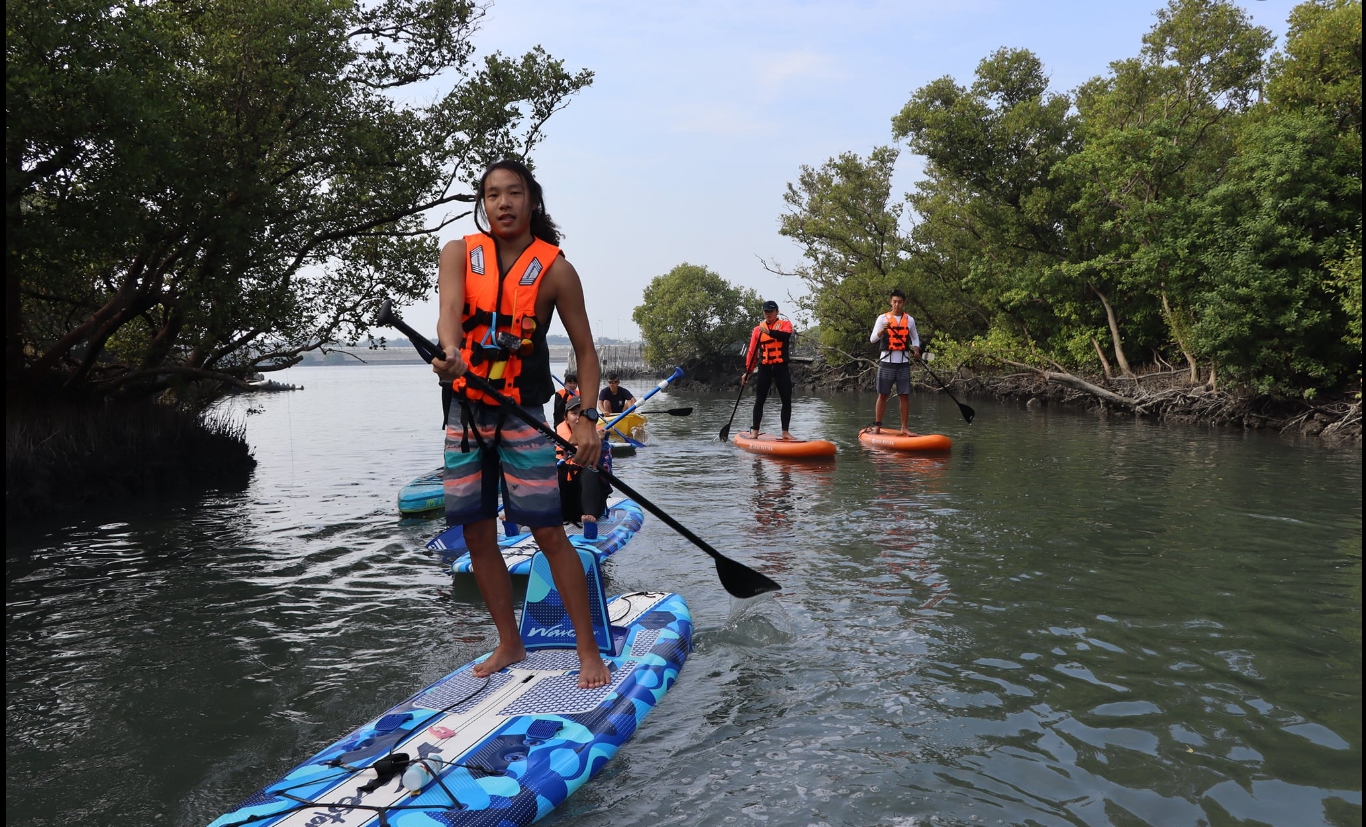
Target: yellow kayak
(631,425)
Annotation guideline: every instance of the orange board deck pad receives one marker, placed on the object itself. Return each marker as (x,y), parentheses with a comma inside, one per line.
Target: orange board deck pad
(777,446)
(897,442)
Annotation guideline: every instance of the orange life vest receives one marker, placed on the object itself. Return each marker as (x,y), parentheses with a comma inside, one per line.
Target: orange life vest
(499,320)
(565,433)
(770,348)
(897,334)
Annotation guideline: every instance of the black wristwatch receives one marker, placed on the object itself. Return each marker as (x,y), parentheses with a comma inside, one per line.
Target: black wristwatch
(590,414)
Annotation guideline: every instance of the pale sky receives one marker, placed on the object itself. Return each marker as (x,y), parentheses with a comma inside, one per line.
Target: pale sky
(700,113)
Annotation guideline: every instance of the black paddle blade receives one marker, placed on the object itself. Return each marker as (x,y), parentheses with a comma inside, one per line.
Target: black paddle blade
(725,433)
(741,580)
(968,413)
(679,412)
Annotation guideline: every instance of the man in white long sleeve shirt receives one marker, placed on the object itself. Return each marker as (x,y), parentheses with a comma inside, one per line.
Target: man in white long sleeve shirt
(900,342)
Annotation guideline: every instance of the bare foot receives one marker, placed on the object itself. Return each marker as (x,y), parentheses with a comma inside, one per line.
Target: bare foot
(905,432)
(788,435)
(505,655)
(593,673)
(877,429)
(754,434)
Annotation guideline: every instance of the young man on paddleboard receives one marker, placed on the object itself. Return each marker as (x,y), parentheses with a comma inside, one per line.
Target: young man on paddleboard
(498,290)
(769,346)
(900,342)
(614,398)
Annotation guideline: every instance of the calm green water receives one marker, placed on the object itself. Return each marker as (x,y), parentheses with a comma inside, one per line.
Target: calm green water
(1066,621)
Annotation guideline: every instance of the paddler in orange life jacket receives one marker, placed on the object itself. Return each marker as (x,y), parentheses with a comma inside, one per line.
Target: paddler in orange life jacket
(571,388)
(900,341)
(499,289)
(768,352)
(583,494)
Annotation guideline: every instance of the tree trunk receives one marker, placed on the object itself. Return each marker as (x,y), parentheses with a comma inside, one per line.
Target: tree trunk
(1175,327)
(1114,332)
(1060,377)
(1105,363)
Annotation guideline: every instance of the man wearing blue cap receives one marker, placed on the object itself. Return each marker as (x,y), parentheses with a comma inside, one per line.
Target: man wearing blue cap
(769,352)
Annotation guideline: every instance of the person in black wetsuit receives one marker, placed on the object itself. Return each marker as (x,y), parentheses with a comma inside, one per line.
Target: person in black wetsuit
(769,352)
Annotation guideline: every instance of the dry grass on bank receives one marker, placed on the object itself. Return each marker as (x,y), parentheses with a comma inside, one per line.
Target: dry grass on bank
(61,456)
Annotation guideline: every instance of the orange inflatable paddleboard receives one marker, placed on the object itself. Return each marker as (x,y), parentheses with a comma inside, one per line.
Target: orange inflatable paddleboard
(896,442)
(779,447)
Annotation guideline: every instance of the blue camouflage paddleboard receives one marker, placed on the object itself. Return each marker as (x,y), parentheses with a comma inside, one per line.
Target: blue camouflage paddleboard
(624,518)
(423,494)
(501,750)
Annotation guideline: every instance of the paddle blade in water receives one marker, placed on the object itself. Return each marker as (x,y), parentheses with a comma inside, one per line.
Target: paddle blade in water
(679,412)
(742,581)
(968,413)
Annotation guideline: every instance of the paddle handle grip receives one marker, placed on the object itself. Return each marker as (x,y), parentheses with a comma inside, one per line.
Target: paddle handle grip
(424,347)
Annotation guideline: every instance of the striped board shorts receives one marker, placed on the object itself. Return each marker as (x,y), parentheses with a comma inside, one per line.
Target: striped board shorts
(894,374)
(522,464)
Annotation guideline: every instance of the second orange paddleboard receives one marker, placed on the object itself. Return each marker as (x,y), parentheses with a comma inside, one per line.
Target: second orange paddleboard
(779,447)
(896,442)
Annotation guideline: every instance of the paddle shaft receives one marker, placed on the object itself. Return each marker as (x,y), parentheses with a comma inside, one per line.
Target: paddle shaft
(726,567)
(725,432)
(968,413)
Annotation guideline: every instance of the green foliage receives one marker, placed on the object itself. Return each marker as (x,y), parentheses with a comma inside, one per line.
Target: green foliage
(1346,282)
(841,216)
(1200,202)
(199,190)
(691,314)
(1321,67)
(1290,202)
(993,234)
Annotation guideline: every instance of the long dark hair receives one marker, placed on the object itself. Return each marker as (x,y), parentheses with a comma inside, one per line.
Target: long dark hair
(542,226)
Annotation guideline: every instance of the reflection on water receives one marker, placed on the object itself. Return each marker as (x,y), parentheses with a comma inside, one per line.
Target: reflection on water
(1066,620)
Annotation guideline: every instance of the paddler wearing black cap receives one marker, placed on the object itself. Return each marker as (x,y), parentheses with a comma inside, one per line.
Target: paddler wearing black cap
(583,495)
(768,357)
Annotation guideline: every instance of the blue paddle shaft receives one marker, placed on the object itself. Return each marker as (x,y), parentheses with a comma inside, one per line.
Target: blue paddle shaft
(677,374)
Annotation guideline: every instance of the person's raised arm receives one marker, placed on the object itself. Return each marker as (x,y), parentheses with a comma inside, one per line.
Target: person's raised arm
(878,328)
(752,352)
(450,290)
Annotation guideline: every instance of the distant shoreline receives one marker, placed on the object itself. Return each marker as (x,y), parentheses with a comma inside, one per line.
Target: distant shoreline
(391,356)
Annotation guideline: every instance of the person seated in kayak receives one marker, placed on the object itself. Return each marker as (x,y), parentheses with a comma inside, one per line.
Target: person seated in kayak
(571,388)
(900,342)
(768,351)
(614,398)
(498,291)
(583,493)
